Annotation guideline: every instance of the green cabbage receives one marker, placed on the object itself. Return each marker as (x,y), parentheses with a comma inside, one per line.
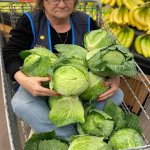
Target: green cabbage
(125,138)
(66,110)
(98,39)
(45,141)
(74,53)
(97,123)
(41,51)
(85,142)
(37,61)
(95,88)
(116,113)
(122,119)
(114,60)
(52,145)
(70,80)
(110,55)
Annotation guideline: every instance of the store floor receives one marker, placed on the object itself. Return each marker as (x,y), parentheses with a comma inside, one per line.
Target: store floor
(4,140)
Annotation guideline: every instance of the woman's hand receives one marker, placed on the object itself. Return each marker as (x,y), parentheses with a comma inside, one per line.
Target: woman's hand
(113,83)
(33,84)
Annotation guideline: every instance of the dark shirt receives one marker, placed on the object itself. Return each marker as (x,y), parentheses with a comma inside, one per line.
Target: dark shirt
(22,38)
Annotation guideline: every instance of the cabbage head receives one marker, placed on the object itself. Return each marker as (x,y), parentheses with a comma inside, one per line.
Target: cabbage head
(95,88)
(126,138)
(45,141)
(73,53)
(65,110)
(86,142)
(97,123)
(37,61)
(114,60)
(41,51)
(70,80)
(98,39)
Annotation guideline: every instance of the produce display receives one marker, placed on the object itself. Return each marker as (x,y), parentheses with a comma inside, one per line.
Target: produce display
(128,14)
(78,75)
(127,19)
(8,7)
(142,45)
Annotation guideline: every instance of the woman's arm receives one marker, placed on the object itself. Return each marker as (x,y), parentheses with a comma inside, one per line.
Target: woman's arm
(33,84)
(113,83)
(21,39)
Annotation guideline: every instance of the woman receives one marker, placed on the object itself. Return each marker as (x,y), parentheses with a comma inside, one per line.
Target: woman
(55,23)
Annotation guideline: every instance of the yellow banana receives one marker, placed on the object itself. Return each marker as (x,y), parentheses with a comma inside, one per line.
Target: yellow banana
(147,17)
(139,17)
(94,14)
(130,4)
(148,31)
(125,35)
(125,15)
(106,17)
(131,17)
(148,45)
(118,15)
(112,3)
(144,47)
(113,13)
(116,35)
(107,1)
(120,36)
(129,38)
(140,2)
(116,29)
(139,27)
(119,3)
(137,44)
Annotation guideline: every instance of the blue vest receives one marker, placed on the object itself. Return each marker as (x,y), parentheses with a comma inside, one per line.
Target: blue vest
(80,25)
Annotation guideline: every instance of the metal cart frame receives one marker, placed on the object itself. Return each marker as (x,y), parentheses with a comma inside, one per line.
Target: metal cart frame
(136,89)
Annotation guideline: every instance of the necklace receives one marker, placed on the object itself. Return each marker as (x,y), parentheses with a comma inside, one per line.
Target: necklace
(61,38)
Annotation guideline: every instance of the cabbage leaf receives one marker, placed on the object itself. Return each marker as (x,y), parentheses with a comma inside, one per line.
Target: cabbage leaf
(126,138)
(86,142)
(97,123)
(98,39)
(95,88)
(52,145)
(66,110)
(117,61)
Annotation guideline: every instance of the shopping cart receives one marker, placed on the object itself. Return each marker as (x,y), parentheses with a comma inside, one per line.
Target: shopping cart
(136,89)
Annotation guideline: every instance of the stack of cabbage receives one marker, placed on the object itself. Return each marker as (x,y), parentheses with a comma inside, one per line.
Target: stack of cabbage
(78,75)
(111,129)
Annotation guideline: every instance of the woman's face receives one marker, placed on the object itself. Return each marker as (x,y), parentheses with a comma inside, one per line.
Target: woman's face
(61,10)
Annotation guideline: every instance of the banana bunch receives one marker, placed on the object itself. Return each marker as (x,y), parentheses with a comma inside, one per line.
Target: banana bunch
(108,2)
(124,34)
(131,4)
(140,17)
(106,12)
(120,15)
(90,9)
(142,45)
